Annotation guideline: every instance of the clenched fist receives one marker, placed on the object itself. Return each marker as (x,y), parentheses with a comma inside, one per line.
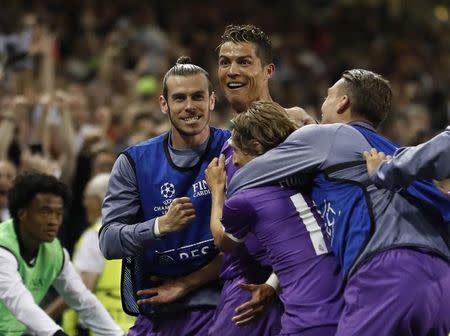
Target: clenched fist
(180,214)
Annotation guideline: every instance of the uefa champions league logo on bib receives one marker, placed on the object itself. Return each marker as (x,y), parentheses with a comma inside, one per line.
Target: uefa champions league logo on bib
(167,190)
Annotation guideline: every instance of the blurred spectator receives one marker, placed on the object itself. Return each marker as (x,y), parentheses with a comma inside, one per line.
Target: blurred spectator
(7,176)
(100,276)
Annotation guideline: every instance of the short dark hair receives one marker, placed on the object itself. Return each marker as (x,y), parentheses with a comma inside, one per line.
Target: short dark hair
(27,185)
(252,34)
(184,67)
(370,94)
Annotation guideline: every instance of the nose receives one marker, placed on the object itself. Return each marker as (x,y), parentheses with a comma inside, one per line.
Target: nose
(54,219)
(190,106)
(233,69)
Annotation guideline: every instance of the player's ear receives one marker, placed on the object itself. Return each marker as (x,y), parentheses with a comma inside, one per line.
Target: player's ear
(343,104)
(163,104)
(21,214)
(212,101)
(257,146)
(269,70)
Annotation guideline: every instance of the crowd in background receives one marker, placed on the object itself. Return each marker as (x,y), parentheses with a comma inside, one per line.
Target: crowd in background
(89,82)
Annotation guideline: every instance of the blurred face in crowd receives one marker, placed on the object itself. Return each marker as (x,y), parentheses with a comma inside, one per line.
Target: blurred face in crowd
(7,176)
(189,104)
(333,103)
(93,205)
(103,162)
(41,220)
(242,75)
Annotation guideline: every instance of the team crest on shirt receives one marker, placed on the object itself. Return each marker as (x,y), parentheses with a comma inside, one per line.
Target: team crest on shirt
(36,284)
(329,216)
(167,193)
(168,190)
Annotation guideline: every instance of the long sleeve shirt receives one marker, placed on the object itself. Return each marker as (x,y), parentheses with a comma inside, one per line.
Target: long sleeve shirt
(122,234)
(19,300)
(428,160)
(308,154)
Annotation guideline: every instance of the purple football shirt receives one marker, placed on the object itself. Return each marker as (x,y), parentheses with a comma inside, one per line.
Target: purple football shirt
(288,226)
(245,265)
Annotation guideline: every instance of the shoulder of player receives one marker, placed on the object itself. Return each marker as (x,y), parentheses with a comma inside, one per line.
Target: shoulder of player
(223,131)
(155,140)
(314,132)
(250,194)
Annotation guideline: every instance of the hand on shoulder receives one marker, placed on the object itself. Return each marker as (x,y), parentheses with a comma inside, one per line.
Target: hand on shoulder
(300,116)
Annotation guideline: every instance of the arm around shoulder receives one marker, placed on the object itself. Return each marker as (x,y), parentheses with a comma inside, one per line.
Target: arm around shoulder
(429,160)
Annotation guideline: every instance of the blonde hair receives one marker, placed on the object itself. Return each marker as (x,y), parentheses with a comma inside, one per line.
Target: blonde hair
(266,122)
(98,186)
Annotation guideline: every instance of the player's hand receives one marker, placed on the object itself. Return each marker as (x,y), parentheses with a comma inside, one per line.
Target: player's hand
(262,297)
(168,291)
(374,159)
(180,214)
(215,174)
(300,117)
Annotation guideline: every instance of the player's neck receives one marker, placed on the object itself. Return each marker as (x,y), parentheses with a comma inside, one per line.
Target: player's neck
(185,141)
(242,107)
(28,247)
(265,96)
(353,118)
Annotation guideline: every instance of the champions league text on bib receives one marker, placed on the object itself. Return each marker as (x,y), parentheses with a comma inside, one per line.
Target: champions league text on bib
(182,252)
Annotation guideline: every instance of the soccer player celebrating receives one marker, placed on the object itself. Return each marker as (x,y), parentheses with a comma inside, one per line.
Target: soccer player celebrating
(389,244)
(245,68)
(156,189)
(284,221)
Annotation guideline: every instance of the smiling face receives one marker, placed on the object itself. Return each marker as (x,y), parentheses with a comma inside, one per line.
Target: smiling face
(41,220)
(242,75)
(188,105)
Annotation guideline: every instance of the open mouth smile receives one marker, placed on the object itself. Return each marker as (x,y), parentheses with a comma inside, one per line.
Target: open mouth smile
(191,119)
(235,85)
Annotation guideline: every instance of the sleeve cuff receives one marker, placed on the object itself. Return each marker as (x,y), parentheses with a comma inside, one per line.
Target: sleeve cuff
(144,233)
(156,231)
(233,238)
(273,282)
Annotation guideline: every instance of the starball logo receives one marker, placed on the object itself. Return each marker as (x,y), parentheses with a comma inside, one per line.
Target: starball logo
(167,190)
(167,193)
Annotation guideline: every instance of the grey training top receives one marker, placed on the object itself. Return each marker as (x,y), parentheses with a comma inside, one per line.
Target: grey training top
(313,148)
(121,236)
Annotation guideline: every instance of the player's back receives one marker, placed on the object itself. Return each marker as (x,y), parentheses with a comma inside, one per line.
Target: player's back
(289,227)
(367,219)
(287,224)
